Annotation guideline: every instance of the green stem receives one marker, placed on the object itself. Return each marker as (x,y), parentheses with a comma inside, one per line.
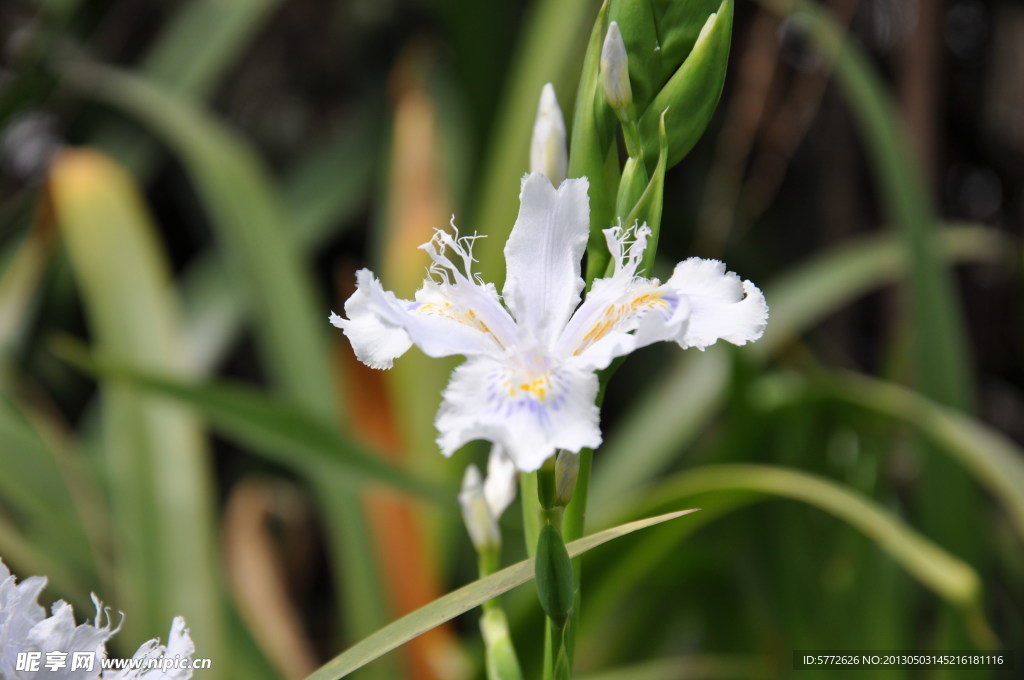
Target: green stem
(557,640)
(631,135)
(531,517)
(502,662)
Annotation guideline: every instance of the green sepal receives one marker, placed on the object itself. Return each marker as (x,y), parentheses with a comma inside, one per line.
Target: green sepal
(602,216)
(634,182)
(546,484)
(648,207)
(678,25)
(692,93)
(554,576)
(593,152)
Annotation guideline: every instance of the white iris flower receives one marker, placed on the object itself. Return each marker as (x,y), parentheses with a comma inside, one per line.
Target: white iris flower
(530,380)
(26,629)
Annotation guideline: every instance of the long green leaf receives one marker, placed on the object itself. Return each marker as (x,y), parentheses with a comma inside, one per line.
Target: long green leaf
(155,455)
(20,275)
(690,392)
(51,495)
(321,193)
(947,575)
(248,216)
(280,430)
(991,457)
(462,600)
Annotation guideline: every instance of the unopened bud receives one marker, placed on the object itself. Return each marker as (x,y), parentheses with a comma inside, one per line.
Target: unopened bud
(548,153)
(567,468)
(615,73)
(483,501)
(480,522)
(500,485)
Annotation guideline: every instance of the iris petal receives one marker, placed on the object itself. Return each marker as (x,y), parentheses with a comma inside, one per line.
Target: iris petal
(722,306)
(382,327)
(542,256)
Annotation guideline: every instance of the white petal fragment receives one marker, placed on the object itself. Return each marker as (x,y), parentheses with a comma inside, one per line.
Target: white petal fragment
(722,306)
(376,343)
(179,647)
(24,627)
(530,414)
(543,253)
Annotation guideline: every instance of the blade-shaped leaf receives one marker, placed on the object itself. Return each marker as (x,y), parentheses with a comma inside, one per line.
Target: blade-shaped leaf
(36,485)
(154,452)
(948,576)
(273,427)
(991,457)
(549,51)
(462,600)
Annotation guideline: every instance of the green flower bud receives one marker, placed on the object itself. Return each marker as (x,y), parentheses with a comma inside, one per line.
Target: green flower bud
(554,576)
(476,513)
(615,74)
(548,154)
(567,468)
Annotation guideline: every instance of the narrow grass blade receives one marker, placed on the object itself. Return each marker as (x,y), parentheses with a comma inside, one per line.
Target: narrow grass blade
(155,456)
(277,429)
(248,216)
(948,576)
(20,275)
(40,487)
(322,193)
(992,458)
(462,600)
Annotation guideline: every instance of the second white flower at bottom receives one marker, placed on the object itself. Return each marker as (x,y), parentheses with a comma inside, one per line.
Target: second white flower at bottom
(530,382)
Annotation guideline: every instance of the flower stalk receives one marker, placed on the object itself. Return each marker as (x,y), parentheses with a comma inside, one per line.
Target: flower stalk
(483,501)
